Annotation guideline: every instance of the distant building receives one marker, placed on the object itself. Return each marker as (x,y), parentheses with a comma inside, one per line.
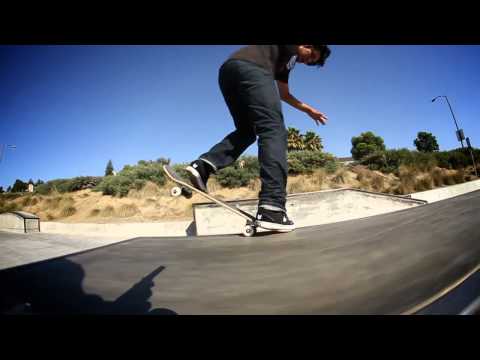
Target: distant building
(30,187)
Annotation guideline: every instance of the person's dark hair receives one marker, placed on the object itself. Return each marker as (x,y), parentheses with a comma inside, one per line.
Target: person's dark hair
(324,54)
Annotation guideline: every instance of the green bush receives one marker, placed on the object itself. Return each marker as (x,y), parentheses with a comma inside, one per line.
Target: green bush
(115,185)
(423,161)
(132,177)
(148,171)
(138,184)
(296,167)
(240,173)
(83,182)
(390,160)
(459,159)
(397,157)
(68,185)
(443,159)
(250,163)
(375,161)
(233,177)
(305,162)
(331,167)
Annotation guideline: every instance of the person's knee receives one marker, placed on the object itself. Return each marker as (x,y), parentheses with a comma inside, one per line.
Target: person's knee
(249,137)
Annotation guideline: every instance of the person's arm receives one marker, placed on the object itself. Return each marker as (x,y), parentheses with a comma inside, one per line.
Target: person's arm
(285,95)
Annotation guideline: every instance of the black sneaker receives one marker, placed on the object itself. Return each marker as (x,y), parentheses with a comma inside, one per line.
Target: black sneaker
(199,172)
(274,220)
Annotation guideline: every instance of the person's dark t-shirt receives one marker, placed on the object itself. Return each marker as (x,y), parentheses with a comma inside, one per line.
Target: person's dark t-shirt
(278,59)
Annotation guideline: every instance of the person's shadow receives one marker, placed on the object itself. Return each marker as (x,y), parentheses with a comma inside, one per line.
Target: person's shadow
(55,287)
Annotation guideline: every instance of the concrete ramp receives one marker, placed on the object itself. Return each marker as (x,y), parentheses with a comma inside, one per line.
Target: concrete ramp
(397,263)
(306,209)
(19,221)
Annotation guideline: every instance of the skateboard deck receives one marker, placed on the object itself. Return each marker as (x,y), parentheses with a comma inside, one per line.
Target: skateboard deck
(251,222)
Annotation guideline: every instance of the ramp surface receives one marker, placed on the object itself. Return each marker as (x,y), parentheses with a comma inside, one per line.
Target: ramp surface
(386,264)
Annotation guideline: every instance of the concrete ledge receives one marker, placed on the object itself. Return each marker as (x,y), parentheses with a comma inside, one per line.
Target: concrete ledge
(306,209)
(447,192)
(173,228)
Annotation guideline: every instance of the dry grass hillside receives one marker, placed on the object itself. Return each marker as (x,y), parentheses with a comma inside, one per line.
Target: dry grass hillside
(153,203)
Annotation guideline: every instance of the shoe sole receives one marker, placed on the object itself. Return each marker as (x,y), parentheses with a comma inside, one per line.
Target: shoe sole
(275,227)
(196,179)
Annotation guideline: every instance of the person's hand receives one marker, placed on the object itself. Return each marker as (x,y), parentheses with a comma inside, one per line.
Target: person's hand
(317,116)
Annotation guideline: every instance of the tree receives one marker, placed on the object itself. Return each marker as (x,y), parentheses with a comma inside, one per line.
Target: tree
(1,190)
(426,142)
(39,182)
(9,189)
(109,168)
(365,144)
(30,182)
(312,141)
(19,186)
(295,140)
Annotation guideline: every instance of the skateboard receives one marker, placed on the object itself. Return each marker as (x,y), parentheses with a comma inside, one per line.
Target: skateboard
(185,189)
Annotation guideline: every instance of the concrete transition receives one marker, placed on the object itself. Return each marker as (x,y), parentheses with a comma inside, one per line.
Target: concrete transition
(306,209)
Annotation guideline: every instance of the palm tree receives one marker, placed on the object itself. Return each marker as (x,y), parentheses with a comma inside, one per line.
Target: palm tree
(295,140)
(312,141)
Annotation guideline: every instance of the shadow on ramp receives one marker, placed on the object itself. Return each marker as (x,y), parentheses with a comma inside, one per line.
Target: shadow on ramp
(55,287)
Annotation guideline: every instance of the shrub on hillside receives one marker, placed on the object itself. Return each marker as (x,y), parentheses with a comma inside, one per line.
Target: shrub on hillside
(390,160)
(115,185)
(423,161)
(375,161)
(305,162)
(458,159)
(68,185)
(240,173)
(148,171)
(331,167)
(132,177)
(233,177)
(68,211)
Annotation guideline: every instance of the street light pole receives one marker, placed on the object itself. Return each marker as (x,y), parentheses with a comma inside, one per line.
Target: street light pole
(473,157)
(460,134)
(460,137)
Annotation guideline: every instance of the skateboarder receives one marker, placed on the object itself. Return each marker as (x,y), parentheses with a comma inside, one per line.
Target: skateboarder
(247,81)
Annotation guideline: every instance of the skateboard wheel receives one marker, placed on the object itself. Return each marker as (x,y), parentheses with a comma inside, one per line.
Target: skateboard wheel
(176,191)
(249,230)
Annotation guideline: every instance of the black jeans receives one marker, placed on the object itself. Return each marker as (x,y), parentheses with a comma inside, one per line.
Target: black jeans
(254,103)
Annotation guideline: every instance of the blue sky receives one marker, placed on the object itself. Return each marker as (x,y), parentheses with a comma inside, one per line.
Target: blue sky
(70,109)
